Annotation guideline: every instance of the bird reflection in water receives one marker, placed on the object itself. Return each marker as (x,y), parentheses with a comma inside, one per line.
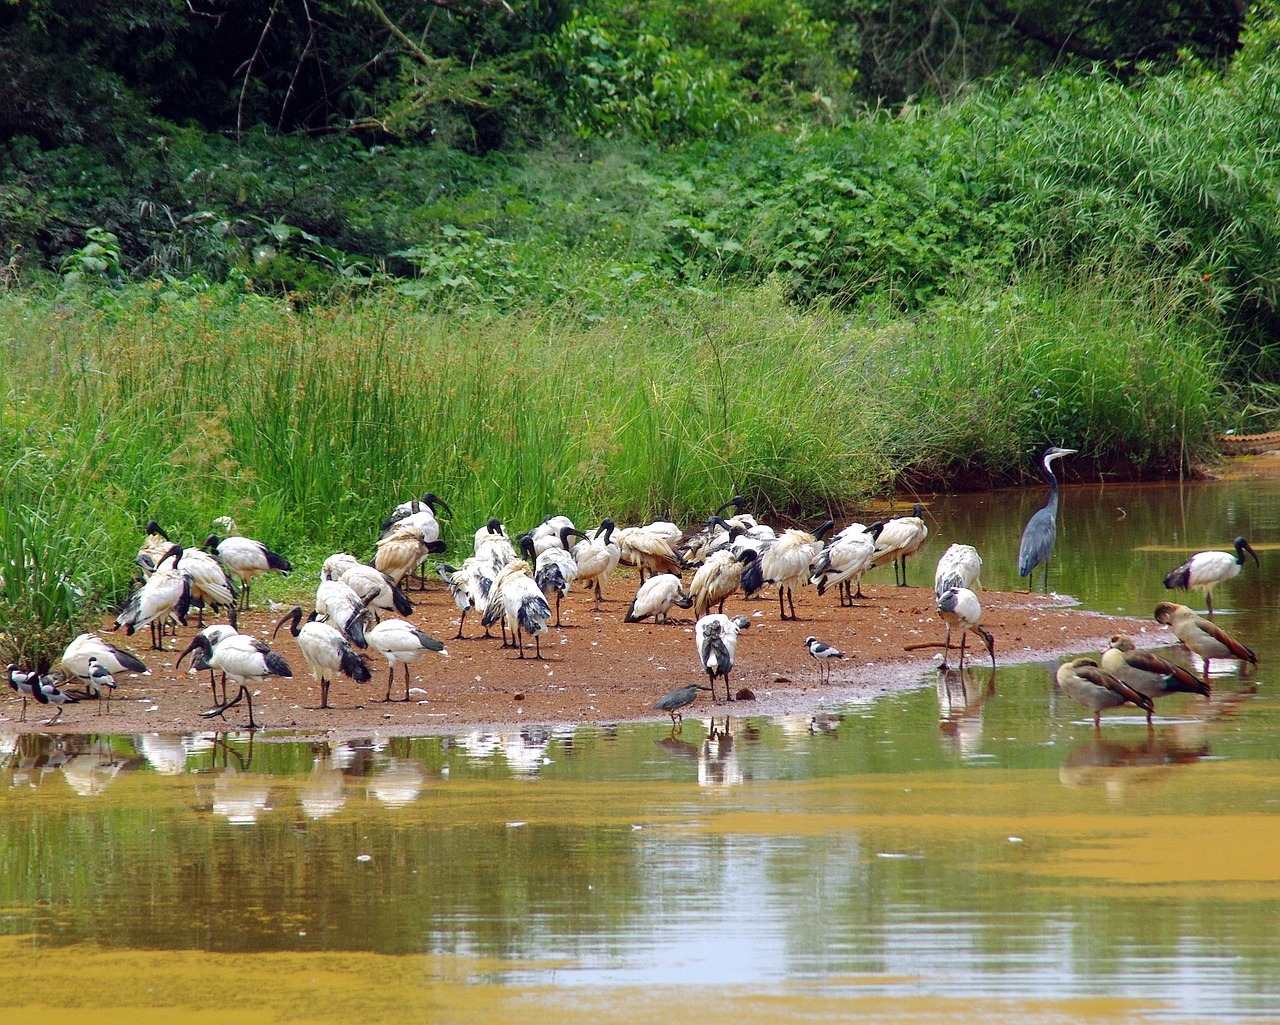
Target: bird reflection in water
(718,759)
(961,695)
(1119,766)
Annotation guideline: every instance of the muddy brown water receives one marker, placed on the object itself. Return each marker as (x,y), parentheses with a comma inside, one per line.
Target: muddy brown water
(950,845)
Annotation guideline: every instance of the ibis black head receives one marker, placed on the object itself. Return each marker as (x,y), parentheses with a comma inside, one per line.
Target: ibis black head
(431,500)
(198,643)
(737,501)
(494,525)
(917,511)
(211,543)
(565,534)
(293,617)
(1243,546)
(748,555)
(607,527)
(875,528)
(821,531)
(154,528)
(527,546)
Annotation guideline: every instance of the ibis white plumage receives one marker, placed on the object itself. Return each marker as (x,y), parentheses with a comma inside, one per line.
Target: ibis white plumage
(960,566)
(245,559)
(899,538)
(960,609)
(166,593)
(597,556)
(655,597)
(326,650)
(716,636)
(717,578)
(850,554)
(1206,570)
(337,603)
(788,562)
(400,641)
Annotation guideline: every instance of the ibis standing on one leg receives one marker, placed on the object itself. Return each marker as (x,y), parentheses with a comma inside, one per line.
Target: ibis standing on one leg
(1205,570)
(1042,529)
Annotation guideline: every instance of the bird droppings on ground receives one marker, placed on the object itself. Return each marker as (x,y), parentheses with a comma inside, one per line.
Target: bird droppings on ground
(603,671)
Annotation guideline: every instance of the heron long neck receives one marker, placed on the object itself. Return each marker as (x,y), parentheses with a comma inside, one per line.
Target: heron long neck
(1052,504)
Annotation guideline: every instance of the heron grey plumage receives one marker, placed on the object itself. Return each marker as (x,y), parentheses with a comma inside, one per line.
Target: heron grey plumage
(1042,529)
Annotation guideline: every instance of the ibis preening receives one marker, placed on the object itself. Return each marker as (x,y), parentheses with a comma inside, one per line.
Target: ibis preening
(555,569)
(1042,529)
(1202,636)
(401,641)
(960,566)
(1083,680)
(717,639)
(210,584)
(516,601)
(166,593)
(717,578)
(470,585)
(1205,570)
(681,697)
(900,537)
(649,548)
(376,590)
(326,649)
(245,559)
(155,546)
(788,562)
(851,553)
(655,598)
(825,654)
(1147,672)
(338,604)
(960,609)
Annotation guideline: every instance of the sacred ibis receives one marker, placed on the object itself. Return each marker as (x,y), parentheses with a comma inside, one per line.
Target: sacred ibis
(401,641)
(960,609)
(326,651)
(1205,570)
(245,559)
(716,636)
(655,597)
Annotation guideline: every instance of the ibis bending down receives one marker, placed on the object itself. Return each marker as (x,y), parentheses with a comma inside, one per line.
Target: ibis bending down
(1201,636)
(788,562)
(326,649)
(717,639)
(655,598)
(1205,570)
(1147,672)
(851,553)
(1042,529)
(717,578)
(516,600)
(959,608)
(1084,681)
(245,559)
(401,641)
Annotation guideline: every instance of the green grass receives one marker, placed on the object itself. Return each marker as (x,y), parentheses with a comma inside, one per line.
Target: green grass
(307,427)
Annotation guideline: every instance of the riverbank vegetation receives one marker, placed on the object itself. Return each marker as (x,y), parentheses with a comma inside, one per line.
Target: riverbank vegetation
(614,262)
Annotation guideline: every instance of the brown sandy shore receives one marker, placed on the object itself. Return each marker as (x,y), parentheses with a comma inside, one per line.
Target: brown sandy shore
(596,669)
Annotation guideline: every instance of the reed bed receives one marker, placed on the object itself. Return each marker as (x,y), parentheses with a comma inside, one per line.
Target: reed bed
(307,428)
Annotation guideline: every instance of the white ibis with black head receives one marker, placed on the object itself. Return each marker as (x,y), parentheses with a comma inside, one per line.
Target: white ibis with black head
(326,649)
(1205,570)
(245,559)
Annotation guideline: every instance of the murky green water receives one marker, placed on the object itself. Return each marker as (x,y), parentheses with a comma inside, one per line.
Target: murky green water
(967,849)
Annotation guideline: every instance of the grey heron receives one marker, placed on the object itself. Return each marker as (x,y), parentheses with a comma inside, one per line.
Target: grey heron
(1042,529)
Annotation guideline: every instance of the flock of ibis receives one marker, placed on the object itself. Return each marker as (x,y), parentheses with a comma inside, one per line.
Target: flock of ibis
(516,584)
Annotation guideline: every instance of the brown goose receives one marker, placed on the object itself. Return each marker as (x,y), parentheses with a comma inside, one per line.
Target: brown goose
(1148,673)
(1082,680)
(1201,636)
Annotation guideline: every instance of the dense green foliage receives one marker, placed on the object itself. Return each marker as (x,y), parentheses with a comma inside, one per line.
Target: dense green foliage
(609,259)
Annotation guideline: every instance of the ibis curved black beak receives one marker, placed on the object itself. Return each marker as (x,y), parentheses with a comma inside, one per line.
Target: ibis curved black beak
(200,641)
(294,614)
(432,500)
(1241,543)
(820,533)
(737,501)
